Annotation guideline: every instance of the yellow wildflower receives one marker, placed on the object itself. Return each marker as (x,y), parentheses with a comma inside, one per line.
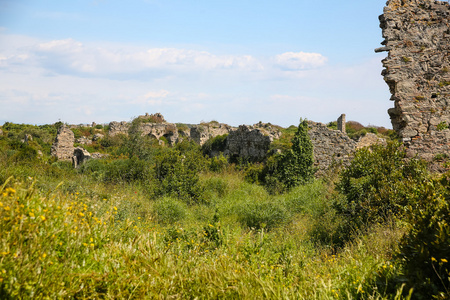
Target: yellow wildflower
(433,259)
(43,218)
(444,260)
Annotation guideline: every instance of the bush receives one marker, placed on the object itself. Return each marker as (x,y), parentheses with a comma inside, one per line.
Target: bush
(266,214)
(215,186)
(425,249)
(169,210)
(216,144)
(119,170)
(377,185)
(177,170)
(218,164)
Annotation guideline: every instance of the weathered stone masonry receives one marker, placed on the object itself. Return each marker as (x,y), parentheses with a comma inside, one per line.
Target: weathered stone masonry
(417,71)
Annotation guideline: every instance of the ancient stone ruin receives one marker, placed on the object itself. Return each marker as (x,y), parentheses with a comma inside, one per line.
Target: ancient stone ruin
(154,126)
(329,145)
(63,147)
(248,144)
(417,71)
(80,155)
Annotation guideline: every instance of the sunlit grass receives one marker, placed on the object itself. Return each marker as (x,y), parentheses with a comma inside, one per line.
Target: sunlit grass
(104,242)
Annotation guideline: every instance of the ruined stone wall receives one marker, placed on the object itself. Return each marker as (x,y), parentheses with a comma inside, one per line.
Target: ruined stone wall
(329,145)
(155,130)
(201,133)
(118,128)
(417,71)
(62,147)
(247,143)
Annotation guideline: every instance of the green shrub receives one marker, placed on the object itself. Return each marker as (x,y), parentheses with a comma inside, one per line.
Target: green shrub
(425,249)
(169,210)
(377,185)
(293,167)
(266,214)
(215,187)
(218,164)
(442,126)
(119,170)
(177,170)
(215,144)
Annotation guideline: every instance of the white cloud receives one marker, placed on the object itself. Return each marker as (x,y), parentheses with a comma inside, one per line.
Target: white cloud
(72,57)
(300,60)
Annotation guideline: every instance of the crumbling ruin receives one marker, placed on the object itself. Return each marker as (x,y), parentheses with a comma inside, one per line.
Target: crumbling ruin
(63,147)
(248,142)
(417,71)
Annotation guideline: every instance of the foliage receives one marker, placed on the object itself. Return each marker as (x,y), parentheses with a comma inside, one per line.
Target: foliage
(169,210)
(215,144)
(177,169)
(296,165)
(218,164)
(285,141)
(377,185)
(266,214)
(425,249)
(442,126)
(291,168)
(91,238)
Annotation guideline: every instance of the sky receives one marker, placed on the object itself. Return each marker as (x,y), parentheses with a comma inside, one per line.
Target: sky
(235,61)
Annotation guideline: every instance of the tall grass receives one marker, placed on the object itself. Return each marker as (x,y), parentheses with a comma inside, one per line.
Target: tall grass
(94,241)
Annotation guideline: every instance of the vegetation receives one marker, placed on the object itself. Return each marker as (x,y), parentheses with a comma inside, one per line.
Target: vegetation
(153,221)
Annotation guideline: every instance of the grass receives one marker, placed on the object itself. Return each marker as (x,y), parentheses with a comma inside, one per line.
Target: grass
(69,233)
(98,241)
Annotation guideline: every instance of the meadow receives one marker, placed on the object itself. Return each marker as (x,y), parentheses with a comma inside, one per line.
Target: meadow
(154,222)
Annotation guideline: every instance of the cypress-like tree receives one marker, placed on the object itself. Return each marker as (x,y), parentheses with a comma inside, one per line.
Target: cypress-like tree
(297,164)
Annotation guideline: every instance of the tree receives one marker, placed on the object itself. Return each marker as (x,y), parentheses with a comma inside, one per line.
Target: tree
(296,165)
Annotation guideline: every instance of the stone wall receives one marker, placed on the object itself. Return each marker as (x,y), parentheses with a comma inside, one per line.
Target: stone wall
(248,144)
(62,147)
(201,133)
(417,71)
(329,145)
(155,130)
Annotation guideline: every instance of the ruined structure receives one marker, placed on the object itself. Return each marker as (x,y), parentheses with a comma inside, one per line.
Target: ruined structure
(417,71)
(341,123)
(329,145)
(80,155)
(62,147)
(155,130)
(201,133)
(248,144)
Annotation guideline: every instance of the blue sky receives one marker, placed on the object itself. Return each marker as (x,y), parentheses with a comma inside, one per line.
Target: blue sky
(237,62)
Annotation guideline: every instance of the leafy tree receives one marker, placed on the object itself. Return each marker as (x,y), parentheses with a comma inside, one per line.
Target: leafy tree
(296,165)
(289,169)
